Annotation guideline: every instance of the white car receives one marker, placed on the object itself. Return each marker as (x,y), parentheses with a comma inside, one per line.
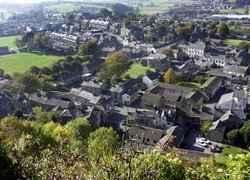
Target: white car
(205,140)
(201,143)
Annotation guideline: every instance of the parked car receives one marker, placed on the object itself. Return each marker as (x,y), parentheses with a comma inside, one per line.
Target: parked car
(215,148)
(201,143)
(205,140)
(123,122)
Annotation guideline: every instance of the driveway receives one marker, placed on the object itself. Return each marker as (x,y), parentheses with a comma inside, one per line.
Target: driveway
(190,141)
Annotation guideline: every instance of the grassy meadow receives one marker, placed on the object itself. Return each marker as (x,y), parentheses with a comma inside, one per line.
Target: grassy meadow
(21,62)
(227,150)
(8,41)
(148,7)
(136,70)
(234,42)
(68,7)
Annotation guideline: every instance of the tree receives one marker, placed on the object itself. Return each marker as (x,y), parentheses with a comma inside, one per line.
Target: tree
(240,136)
(26,83)
(103,143)
(205,126)
(234,135)
(30,44)
(81,126)
(19,43)
(223,30)
(27,36)
(1,72)
(245,131)
(169,76)
(168,52)
(34,70)
(183,32)
(88,48)
(201,79)
(115,64)
(246,11)
(105,13)
(41,40)
(179,76)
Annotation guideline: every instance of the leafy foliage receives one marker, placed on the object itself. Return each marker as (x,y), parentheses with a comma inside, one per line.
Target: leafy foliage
(103,143)
(169,76)
(223,30)
(37,149)
(115,65)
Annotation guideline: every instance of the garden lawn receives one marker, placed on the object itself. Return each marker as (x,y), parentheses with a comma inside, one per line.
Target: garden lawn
(21,62)
(227,150)
(189,84)
(8,41)
(136,70)
(234,42)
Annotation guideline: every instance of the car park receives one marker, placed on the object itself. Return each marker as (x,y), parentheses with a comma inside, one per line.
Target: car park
(215,148)
(201,143)
(205,140)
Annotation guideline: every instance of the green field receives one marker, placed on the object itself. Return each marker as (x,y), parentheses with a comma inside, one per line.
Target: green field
(189,84)
(238,10)
(68,7)
(21,62)
(227,150)
(137,70)
(148,7)
(8,41)
(234,42)
(159,6)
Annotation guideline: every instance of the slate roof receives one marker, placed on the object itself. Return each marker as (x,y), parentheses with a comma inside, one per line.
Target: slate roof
(171,97)
(176,133)
(211,82)
(174,87)
(241,94)
(94,84)
(146,132)
(235,69)
(152,75)
(151,97)
(195,96)
(218,124)
(198,45)
(52,102)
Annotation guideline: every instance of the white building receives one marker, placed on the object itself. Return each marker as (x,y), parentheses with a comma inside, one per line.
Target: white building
(236,70)
(218,60)
(130,96)
(98,24)
(196,50)
(150,80)
(236,100)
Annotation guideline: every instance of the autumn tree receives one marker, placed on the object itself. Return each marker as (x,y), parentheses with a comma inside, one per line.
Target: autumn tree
(26,83)
(223,30)
(88,48)
(41,40)
(168,52)
(183,32)
(115,65)
(205,126)
(103,143)
(169,76)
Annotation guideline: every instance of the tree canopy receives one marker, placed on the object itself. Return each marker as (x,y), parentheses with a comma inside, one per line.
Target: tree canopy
(169,76)
(88,48)
(222,30)
(115,64)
